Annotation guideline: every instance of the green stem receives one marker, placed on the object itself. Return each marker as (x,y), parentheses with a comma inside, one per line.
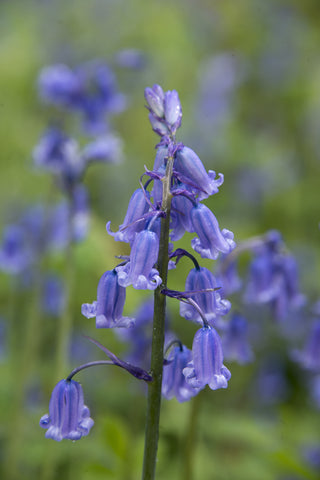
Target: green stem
(154,387)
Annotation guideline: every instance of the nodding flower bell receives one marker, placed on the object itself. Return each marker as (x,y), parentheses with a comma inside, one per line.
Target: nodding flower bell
(137,207)
(139,271)
(211,239)
(189,164)
(211,303)
(68,417)
(109,305)
(206,367)
(173,381)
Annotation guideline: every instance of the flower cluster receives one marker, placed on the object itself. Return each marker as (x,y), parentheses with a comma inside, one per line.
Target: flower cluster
(89,89)
(180,180)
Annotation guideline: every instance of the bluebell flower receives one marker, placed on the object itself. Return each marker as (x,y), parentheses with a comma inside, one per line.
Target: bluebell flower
(110,302)
(59,154)
(273,278)
(58,84)
(68,417)
(235,340)
(15,252)
(211,239)
(90,89)
(137,207)
(174,383)
(206,367)
(139,271)
(211,303)
(189,165)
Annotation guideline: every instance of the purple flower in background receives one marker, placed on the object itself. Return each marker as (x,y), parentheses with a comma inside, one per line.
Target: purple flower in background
(53,297)
(90,89)
(109,305)
(106,148)
(206,367)
(58,85)
(211,239)
(235,340)
(273,278)
(211,303)
(174,383)
(139,271)
(68,417)
(15,252)
(137,207)
(59,154)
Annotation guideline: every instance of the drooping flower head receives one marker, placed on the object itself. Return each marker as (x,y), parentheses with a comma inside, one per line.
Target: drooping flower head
(131,225)
(139,271)
(109,305)
(68,417)
(211,240)
(206,367)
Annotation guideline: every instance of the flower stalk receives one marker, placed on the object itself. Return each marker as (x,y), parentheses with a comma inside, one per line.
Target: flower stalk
(154,387)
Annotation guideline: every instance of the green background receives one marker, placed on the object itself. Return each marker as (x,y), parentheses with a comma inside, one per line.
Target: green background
(268,148)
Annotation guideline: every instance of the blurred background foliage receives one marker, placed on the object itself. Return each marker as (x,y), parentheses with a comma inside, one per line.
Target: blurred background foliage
(248,76)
